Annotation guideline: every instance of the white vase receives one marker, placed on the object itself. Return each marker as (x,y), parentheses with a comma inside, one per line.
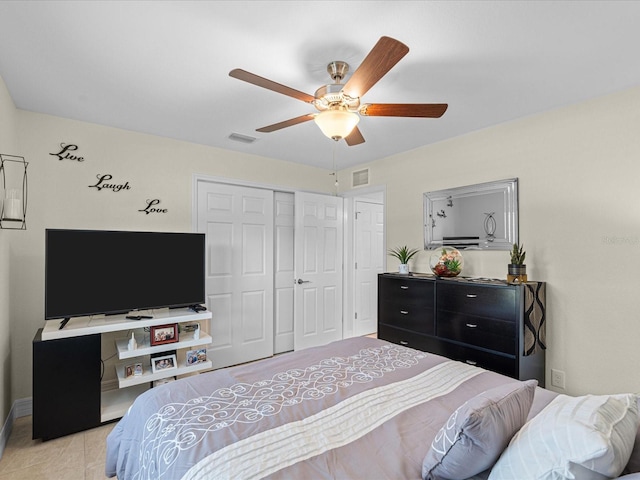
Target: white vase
(403,268)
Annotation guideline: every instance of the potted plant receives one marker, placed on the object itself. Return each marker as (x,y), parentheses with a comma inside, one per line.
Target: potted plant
(517,270)
(446,262)
(403,254)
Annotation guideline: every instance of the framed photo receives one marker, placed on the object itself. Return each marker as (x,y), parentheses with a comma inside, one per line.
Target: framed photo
(160,364)
(196,356)
(164,334)
(133,370)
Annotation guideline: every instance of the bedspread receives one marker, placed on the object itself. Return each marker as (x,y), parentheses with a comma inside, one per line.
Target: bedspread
(356,408)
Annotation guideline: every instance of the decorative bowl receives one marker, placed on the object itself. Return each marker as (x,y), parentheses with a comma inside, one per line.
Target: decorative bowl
(446,262)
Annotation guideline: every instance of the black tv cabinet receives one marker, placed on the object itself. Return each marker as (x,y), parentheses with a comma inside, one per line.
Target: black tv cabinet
(66,385)
(68,393)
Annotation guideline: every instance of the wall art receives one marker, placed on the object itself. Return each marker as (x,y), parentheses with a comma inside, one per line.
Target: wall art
(65,152)
(103,182)
(151,207)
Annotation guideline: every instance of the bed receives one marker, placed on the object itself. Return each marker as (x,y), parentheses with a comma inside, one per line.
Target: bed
(363,408)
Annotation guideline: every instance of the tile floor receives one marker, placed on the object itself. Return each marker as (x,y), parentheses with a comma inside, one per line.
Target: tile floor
(80,456)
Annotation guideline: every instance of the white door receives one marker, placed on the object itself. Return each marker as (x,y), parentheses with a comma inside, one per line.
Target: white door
(318,269)
(238,222)
(369,262)
(283,274)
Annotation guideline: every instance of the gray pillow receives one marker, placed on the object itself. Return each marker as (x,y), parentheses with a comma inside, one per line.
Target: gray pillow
(475,434)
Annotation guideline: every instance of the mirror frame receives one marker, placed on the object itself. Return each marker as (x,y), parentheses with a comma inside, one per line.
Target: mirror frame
(508,188)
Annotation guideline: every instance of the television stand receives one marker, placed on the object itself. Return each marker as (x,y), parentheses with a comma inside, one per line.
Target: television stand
(64,322)
(68,395)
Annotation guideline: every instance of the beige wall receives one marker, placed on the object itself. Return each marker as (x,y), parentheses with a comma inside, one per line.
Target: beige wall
(8,146)
(60,197)
(578,169)
(579,180)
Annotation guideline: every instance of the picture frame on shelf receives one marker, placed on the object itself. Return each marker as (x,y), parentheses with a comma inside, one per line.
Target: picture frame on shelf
(133,370)
(196,356)
(163,334)
(166,362)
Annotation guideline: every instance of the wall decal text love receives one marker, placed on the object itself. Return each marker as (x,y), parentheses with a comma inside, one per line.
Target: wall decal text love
(151,207)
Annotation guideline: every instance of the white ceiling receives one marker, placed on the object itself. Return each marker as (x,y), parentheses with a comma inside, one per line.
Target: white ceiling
(161,67)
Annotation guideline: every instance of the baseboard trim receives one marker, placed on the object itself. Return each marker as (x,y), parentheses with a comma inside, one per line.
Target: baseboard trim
(22,407)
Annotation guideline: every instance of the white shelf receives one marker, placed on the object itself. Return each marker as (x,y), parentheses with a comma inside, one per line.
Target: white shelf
(115,403)
(149,376)
(80,326)
(144,348)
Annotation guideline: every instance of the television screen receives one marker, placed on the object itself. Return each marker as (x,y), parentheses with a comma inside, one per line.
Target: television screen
(89,272)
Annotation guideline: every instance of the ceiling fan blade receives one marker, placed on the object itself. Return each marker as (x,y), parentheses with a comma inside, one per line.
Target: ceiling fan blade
(425,110)
(270,85)
(286,123)
(354,138)
(384,55)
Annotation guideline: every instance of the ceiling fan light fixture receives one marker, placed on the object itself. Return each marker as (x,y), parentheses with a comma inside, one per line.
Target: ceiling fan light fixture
(337,123)
(340,104)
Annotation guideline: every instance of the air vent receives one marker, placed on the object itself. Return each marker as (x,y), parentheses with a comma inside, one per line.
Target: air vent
(360,178)
(237,137)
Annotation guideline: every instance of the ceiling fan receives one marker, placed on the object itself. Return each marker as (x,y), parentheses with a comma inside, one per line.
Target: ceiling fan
(339,105)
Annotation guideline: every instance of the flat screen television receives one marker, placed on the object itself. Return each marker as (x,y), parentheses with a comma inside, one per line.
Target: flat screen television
(90,272)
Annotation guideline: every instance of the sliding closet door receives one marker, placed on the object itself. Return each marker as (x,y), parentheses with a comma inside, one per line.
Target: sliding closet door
(238,222)
(283,272)
(318,269)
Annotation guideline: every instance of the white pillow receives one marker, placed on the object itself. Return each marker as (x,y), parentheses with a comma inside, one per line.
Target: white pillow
(589,437)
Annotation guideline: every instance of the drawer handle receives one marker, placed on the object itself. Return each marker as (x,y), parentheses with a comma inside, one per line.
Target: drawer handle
(471,295)
(471,362)
(472,325)
(404,312)
(402,342)
(404,287)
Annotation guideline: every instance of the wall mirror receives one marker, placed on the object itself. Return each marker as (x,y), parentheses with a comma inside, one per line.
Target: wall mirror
(482,216)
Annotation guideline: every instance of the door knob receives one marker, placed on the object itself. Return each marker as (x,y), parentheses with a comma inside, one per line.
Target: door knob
(300,281)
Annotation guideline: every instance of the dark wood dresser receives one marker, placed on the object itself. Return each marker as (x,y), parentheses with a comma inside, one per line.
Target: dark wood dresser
(482,322)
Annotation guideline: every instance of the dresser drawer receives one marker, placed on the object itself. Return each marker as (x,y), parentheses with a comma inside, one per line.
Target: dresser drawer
(406,289)
(407,304)
(488,361)
(409,317)
(483,332)
(404,337)
(483,301)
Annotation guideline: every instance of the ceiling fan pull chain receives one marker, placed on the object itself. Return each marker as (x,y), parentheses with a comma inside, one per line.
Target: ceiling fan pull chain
(335,169)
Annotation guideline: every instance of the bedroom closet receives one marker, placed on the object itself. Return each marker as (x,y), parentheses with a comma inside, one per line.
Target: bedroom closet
(269,290)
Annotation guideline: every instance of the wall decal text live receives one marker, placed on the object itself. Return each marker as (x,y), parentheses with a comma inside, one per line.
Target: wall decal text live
(151,207)
(65,153)
(102,183)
